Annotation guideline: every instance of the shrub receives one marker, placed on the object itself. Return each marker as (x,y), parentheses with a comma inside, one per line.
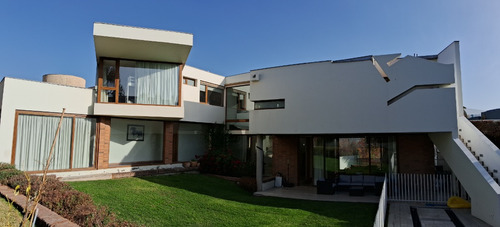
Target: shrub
(224,163)
(68,202)
(4,165)
(5,174)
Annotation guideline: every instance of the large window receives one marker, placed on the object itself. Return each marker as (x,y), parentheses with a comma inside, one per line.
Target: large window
(74,146)
(350,155)
(238,106)
(211,94)
(124,81)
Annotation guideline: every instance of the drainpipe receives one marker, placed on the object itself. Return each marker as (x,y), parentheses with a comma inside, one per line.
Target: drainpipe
(259,163)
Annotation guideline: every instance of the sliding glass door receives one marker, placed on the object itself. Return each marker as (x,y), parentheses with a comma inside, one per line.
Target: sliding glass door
(333,155)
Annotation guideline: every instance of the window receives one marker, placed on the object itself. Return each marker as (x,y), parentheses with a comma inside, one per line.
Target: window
(74,147)
(270,104)
(211,94)
(238,106)
(137,82)
(189,81)
(240,100)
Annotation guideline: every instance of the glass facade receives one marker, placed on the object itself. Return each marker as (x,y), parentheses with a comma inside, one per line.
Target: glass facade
(238,105)
(211,95)
(332,155)
(138,82)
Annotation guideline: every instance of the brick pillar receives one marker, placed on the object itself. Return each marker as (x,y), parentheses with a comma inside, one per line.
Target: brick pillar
(170,138)
(103,137)
(285,154)
(415,154)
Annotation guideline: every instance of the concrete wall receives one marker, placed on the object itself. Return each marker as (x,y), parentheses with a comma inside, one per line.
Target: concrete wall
(353,97)
(138,111)
(451,55)
(37,96)
(123,151)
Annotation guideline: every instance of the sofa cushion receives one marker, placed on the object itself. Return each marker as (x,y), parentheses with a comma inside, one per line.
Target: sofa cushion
(344,180)
(357,180)
(369,180)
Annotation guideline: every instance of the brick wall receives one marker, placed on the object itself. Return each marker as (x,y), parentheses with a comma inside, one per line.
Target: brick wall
(415,154)
(170,139)
(285,150)
(103,137)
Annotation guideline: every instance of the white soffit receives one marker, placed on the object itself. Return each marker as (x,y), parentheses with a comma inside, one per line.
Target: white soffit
(118,41)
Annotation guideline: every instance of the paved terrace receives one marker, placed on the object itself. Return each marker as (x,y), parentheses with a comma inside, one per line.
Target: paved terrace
(309,193)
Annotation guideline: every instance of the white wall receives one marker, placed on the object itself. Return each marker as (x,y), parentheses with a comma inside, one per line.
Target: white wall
(451,55)
(38,96)
(194,111)
(137,111)
(123,151)
(353,97)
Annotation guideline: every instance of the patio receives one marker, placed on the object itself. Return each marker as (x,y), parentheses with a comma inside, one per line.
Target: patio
(309,193)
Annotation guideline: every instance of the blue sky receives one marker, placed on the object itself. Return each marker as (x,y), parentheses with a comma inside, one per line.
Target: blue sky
(232,37)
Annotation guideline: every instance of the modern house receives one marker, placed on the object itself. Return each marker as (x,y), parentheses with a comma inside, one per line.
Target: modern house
(372,115)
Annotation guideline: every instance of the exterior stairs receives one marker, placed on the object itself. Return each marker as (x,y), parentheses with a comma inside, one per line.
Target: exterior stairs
(480,157)
(475,161)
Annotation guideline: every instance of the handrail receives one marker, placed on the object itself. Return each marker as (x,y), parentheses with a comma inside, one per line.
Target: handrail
(481,145)
(382,207)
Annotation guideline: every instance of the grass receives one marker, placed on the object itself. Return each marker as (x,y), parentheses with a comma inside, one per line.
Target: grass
(9,216)
(191,199)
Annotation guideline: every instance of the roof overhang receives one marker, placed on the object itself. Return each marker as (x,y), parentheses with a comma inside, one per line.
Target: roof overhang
(117,41)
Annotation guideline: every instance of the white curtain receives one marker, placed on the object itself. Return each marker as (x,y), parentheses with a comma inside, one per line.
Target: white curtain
(157,83)
(34,139)
(83,154)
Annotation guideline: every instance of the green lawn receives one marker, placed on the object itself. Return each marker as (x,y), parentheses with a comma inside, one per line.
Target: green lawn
(192,199)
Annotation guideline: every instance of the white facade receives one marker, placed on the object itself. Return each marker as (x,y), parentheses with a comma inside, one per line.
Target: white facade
(382,94)
(352,97)
(41,97)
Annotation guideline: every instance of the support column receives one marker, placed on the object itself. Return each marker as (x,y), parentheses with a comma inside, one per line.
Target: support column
(259,162)
(170,138)
(103,137)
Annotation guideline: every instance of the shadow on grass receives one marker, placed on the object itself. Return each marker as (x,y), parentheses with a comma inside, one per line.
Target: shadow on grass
(355,213)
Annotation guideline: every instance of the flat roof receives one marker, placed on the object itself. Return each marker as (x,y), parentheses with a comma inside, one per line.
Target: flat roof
(119,41)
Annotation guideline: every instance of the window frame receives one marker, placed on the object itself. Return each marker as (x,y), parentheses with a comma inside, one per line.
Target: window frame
(116,89)
(240,103)
(207,84)
(185,79)
(268,101)
(73,125)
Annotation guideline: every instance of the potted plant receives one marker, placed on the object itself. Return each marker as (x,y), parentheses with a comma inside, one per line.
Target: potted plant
(186,164)
(194,163)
